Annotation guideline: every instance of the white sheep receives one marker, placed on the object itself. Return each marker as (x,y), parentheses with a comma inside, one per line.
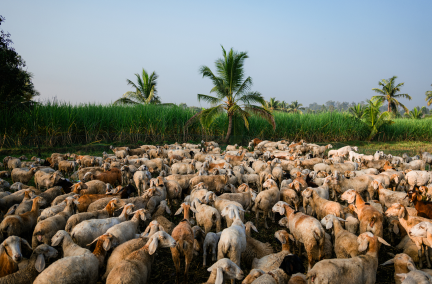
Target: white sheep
(210,244)
(224,269)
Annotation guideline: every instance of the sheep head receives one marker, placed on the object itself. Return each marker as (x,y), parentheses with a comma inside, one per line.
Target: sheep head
(161,239)
(43,252)
(226,269)
(12,247)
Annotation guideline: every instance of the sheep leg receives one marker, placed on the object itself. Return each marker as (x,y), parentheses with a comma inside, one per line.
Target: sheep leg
(176,259)
(188,260)
(214,253)
(426,248)
(265,219)
(205,256)
(420,254)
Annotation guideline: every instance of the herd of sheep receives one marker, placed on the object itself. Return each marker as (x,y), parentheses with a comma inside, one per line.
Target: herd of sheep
(92,219)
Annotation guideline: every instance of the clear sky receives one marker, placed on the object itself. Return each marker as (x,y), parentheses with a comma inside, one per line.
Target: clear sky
(312,51)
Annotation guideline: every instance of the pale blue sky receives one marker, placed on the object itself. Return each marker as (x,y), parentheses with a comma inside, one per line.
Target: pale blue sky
(83,51)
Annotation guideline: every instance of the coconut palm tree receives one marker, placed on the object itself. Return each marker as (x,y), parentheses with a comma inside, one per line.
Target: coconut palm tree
(231,90)
(429,97)
(389,92)
(273,104)
(416,113)
(295,107)
(357,111)
(283,105)
(145,90)
(373,118)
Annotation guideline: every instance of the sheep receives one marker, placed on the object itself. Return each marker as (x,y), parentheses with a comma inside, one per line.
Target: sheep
(44,180)
(13,163)
(370,218)
(184,238)
(388,197)
(47,228)
(136,267)
(10,254)
(88,230)
(361,184)
(298,278)
(254,248)
(183,168)
(319,151)
(280,259)
(126,231)
(210,244)
(90,187)
(418,165)
(407,221)
(345,242)
(69,248)
(305,229)
(232,242)
(320,206)
(427,158)
(78,269)
(252,179)
(423,230)
(183,180)
(4,185)
(123,250)
(214,183)
(11,199)
(344,151)
(23,224)
(23,174)
(415,277)
(418,178)
(403,263)
(26,203)
(112,176)
(266,200)
(224,269)
(351,221)
(55,208)
(360,269)
(289,195)
(51,193)
(245,198)
(107,212)
(206,216)
(164,222)
(67,167)
(36,264)
(220,204)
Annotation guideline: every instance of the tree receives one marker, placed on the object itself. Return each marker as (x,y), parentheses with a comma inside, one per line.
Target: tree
(374,118)
(295,107)
(231,88)
(145,90)
(16,86)
(416,113)
(273,104)
(389,92)
(429,97)
(357,111)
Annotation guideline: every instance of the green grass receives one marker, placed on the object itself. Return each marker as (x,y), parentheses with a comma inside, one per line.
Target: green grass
(62,124)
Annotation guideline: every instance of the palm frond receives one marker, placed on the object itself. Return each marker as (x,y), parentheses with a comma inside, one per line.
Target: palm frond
(262,112)
(252,98)
(208,115)
(209,99)
(124,101)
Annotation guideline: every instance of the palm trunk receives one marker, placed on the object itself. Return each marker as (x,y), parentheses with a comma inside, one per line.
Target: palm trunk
(230,121)
(388,109)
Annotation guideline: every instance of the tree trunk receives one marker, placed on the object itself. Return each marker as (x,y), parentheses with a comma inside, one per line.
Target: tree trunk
(230,122)
(388,109)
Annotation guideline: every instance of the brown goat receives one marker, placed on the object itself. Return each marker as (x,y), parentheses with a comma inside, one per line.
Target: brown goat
(184,237)
(424,208)
(87,199)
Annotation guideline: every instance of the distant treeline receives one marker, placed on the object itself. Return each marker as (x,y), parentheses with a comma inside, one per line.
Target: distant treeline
(61,124)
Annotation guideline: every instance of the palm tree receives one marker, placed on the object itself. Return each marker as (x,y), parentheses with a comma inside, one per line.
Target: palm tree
(429,97)
(273,104)
(357,111)
(373,118)
(295,107)
(283,106)
(145,90)
(416,113)
(389,93)
(231,88)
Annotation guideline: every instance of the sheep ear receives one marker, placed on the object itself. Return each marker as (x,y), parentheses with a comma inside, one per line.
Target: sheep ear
(161,228)
(340,219)
(167,209)
(396,228)
(291,237)
(381,240)
(219,276)
(254,228)
(179,211)
(76,202)
(153,245)
(146,231)
(401,213)
(231,213)
(329,225)
(390,261)
(95,240)
(411,267)
(40,263)
(193,209)
(2,249)
(107,244)
(24,242)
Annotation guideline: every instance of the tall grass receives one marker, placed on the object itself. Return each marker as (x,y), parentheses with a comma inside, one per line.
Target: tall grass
(55,124)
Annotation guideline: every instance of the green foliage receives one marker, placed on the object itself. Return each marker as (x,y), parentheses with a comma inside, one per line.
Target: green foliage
(295,107)
(374,118)
(60,124)
(145,90)
(357,111)
(16,87)
(429,97)
(231,88)
(416,113)
(389,93)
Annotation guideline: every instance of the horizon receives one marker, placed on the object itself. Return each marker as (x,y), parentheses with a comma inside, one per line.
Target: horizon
(310,52)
